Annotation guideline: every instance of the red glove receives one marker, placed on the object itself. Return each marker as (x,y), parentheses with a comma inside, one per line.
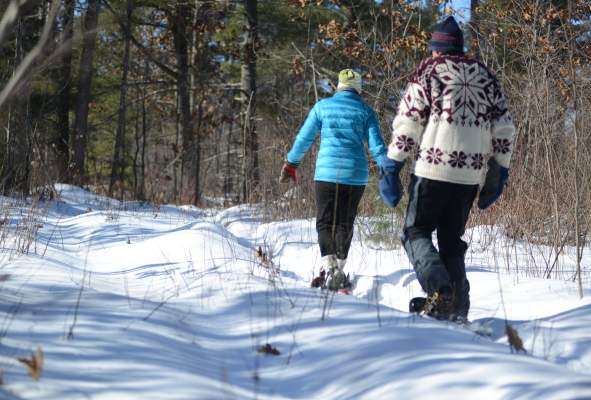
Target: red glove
(288,172)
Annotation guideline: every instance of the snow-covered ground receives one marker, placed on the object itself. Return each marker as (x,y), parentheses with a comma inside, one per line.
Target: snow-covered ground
(132,301)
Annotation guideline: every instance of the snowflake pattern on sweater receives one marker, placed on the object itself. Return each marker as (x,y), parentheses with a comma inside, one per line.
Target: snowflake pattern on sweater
(453,117)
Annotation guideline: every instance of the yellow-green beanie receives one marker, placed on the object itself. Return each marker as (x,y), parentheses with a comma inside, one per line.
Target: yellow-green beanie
(349,79)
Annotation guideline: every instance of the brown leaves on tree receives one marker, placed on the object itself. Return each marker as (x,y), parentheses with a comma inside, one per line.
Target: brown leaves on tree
(297,66)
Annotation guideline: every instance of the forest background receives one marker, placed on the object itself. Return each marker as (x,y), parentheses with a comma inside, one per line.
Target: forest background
(199,101)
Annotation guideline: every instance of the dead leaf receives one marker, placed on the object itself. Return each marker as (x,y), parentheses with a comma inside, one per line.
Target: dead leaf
(515,342)
(34,364)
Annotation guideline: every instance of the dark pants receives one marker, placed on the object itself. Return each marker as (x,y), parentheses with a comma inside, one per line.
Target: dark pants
(336,209)
(444,207)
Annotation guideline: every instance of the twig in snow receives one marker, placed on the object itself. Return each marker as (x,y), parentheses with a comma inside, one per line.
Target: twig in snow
(71,331)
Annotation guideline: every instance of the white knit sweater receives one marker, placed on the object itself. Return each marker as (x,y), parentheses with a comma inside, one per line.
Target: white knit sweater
(452,118)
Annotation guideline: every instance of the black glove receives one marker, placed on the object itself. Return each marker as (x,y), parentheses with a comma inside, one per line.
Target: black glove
(495,181)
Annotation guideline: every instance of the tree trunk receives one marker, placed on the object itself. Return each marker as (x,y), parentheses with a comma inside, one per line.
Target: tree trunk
(118,167)
(139,166)
(197,190)
(578,206)
(181,46)
(229,172)
(16,174)
(248,87)
(196,79)
(176,151)
(61,141)
(84,91)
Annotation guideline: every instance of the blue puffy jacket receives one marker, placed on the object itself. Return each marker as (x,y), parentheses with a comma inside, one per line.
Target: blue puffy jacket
(345,123)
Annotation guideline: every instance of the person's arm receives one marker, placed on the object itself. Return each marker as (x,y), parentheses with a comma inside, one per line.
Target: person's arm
(411,119)
(375,141)
(503,136)
(305,137)
(502,129)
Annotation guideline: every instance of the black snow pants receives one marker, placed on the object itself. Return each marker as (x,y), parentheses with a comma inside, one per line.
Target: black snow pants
(336,209)
(443,207)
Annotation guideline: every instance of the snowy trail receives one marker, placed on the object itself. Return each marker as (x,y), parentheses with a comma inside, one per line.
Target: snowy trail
(134,302)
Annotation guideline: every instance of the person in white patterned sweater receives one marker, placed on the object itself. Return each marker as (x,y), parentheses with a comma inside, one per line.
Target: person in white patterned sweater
(454,122)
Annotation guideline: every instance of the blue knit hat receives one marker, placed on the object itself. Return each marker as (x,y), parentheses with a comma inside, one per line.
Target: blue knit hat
(447,37)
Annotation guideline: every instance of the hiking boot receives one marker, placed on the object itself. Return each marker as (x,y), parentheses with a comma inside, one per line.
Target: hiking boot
(440,304)
(417,304)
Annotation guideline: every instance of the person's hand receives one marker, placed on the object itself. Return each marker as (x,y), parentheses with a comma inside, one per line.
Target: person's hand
(288,172)
(389,183)
(494,183)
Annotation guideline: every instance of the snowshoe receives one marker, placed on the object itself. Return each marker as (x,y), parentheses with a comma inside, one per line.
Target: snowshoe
(347,286)
(417,305)
(339,282)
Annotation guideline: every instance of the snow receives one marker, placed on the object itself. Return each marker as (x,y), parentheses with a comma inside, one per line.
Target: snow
(134,301)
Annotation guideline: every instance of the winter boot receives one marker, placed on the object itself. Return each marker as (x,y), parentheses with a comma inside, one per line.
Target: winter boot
(462,300)
(417,304)
(440,304)
(456,268)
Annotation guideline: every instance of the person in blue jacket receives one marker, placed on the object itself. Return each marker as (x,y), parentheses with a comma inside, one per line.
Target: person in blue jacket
(345,123)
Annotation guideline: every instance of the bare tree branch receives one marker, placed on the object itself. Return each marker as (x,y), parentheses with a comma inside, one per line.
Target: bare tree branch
(141,47)
(26,64)
(10,15)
